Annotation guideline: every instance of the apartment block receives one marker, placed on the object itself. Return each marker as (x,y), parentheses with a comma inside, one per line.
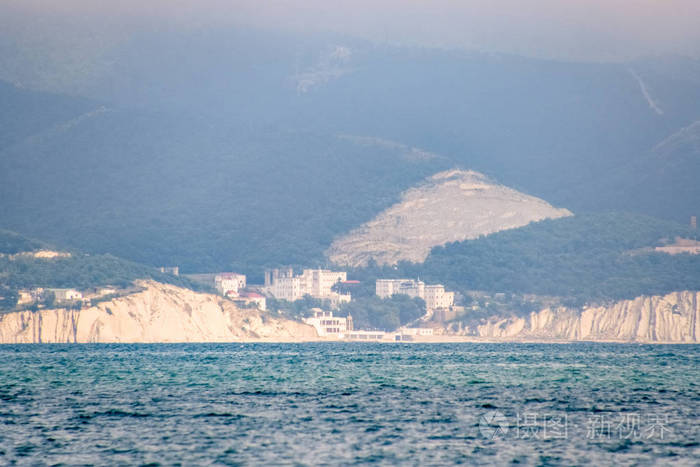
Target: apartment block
(435,296)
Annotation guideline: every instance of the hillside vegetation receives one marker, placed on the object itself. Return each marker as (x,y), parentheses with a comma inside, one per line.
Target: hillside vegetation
(241,149)
(12,243)
(80,271)
(203,199)
(585,258)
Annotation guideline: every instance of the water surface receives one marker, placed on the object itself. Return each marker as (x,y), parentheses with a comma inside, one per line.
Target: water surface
(334,403)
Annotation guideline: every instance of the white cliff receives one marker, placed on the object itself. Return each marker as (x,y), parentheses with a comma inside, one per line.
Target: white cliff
(159,313)
(670,318)
(450,206)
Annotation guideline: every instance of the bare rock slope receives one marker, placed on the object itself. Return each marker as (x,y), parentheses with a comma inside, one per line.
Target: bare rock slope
(450,206)
(674,317)
(159,313)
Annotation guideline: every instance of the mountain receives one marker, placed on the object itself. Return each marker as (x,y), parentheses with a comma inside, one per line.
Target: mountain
(241,149)
(167,189)
(663,179)
(450,206)
(12,243)
(25,113)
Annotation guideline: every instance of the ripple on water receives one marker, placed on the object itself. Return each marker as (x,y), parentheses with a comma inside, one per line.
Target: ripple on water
(349,404)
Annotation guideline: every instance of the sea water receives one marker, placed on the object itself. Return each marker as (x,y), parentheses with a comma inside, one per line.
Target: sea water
(346,403)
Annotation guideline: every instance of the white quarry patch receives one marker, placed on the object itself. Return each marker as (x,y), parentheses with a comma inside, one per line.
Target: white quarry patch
(450,206)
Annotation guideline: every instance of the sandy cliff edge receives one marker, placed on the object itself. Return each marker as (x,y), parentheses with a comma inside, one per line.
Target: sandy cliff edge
(670,318)
(160,313)
(168,314)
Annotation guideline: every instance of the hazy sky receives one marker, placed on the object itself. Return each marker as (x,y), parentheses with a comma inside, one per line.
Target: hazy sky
(574,29)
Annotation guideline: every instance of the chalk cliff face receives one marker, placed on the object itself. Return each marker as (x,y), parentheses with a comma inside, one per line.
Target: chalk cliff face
(670,318)
(159,313)
(450,206)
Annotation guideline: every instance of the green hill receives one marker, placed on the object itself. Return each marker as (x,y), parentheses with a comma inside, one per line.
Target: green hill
(585,258)
(205,199)
(12,243)
(79,270)
(231,151)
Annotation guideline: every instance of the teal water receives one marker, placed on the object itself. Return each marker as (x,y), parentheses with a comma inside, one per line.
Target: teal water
(340,404)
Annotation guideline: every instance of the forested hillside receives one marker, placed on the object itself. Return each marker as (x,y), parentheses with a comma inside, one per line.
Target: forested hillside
(25,113)
(586,258)
(202,198)
(12,243)
(239,149)
(77,270)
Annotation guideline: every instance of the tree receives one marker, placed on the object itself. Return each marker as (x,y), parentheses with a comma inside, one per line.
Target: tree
(49,299)
(383,314)
(8,298)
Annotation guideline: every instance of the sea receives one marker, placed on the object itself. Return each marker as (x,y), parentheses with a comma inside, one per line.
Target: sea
(350,404)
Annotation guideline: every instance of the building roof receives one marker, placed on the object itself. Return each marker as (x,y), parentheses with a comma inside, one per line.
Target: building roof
(229,275)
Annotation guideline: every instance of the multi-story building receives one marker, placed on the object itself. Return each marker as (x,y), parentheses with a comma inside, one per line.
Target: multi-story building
(229,283)
(328,325)
(272,275)
(318,283)
(385,288)
(435,296)
(286,288)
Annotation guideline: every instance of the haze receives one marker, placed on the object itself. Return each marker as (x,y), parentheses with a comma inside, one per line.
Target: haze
(590,30)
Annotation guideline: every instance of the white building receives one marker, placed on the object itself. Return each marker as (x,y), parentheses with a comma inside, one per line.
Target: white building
(369,336)
(287,288)
(328,325)
(435,296)
(385,288)
(272,275)
(66,295)
(24,297)
(229,283)
(106,291)
(337,298)
(317,283)
(416,331)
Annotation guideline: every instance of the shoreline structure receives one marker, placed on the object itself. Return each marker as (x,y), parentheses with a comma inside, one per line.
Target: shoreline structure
(162,313)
